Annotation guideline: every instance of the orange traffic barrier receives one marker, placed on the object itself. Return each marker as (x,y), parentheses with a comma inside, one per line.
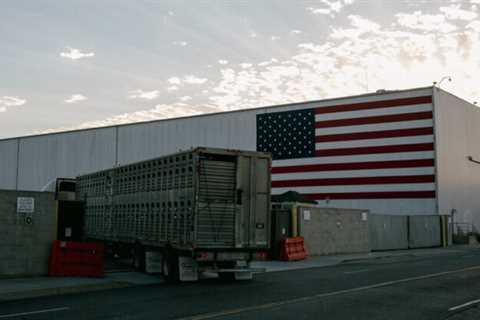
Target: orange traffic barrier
(76,259)
(293,249)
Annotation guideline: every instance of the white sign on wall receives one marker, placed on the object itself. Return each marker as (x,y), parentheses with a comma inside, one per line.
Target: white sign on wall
(306,215)
(364,216)
(25,205)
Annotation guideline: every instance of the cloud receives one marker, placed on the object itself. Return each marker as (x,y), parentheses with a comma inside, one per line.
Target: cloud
(266,63)
(174,80)
(360,26)
(76,54)
(180,43)
(160,111)
(358,56)
(177,82)
(191,79)
(185,98)
(319,11)
(425,22)
(223,62)
(140,94)
(9,101)
(246,65)
(361,56)
(330,7)
(74,98)
(474,25)
(172,88)
(453,12)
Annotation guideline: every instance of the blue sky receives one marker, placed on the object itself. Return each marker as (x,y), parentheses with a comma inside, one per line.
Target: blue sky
(76,64)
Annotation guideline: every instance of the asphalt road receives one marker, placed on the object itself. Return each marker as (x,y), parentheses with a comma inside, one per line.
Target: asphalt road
(390,288)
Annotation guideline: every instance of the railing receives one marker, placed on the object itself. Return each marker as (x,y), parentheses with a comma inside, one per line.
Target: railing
(462,228)
(461,232)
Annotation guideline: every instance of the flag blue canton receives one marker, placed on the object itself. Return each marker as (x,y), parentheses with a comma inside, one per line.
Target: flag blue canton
(287,135)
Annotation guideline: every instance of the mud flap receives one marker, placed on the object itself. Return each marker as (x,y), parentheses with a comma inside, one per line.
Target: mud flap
(188,269)
(153,262)
(243,275)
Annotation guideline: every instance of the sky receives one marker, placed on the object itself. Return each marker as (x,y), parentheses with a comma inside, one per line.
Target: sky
(76,64)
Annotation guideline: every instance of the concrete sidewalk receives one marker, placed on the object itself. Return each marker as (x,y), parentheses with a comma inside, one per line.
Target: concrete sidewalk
(326,261)
(15,289)
(23,288)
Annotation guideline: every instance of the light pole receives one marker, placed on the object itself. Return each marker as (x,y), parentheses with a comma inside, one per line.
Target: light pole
(437,84)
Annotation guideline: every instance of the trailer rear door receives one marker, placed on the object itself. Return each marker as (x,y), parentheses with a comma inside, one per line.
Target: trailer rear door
(253,202)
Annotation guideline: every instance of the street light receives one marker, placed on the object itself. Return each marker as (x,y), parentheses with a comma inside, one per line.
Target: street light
(437,84)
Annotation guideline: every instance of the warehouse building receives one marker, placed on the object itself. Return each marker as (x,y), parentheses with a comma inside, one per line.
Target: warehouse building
(412,152)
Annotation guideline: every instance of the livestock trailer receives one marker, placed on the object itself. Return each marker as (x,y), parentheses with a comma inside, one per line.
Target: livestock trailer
(195,211)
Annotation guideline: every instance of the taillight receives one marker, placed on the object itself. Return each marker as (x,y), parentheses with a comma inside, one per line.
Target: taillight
(262,255)
(204,256)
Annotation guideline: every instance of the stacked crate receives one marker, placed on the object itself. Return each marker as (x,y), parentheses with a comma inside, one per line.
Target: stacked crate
(202,198)
(151,201)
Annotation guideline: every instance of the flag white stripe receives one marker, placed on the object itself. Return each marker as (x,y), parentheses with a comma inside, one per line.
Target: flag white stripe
(359,188)
(353,173)
(355,158)
(373,142)
(375,127)
(373,112)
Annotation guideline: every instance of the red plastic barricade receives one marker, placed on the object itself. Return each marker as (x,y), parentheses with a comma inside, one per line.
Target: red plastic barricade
(76,259)
(293,249)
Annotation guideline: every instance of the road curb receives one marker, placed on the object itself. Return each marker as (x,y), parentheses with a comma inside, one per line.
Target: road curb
(375,256)
(401,254)
(380,257)
(61,291)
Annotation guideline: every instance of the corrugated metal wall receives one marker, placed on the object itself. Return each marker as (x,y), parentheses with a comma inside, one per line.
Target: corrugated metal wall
(8,164)
(44,158)
(457,137)
(228,130)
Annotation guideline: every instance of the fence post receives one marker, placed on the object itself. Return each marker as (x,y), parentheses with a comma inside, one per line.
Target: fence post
(294,221)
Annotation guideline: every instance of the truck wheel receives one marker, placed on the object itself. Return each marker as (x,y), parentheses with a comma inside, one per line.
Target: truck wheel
(139,257)
(170,269)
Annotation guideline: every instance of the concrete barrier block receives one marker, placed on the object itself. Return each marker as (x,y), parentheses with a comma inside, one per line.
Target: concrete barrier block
(334,231)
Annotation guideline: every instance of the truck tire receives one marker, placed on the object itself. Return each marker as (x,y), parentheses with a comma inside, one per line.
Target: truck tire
(139,257)
(170,268)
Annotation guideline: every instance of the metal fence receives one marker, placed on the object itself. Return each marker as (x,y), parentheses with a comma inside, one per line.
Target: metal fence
(463,228)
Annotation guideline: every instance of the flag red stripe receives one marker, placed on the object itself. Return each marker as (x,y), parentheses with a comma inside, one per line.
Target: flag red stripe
(375,134)
(374,105)
(355,166)
(375,149)
(372,195)
(375,119)
(353,181)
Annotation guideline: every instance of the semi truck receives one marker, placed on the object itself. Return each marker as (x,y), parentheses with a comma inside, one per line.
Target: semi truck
(196,211)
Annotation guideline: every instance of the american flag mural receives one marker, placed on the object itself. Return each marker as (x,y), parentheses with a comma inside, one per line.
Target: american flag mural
(369,150)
